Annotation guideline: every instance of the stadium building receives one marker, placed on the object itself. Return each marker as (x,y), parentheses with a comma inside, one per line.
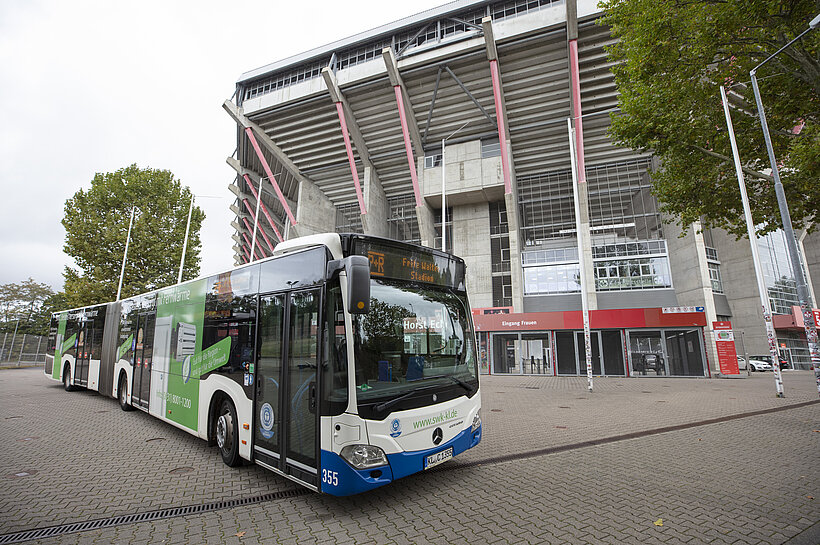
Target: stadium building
(354,136)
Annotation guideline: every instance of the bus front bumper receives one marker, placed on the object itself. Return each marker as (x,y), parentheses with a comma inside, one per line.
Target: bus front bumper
(338,478)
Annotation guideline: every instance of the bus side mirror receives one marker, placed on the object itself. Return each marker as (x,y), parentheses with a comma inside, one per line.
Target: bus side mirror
(357,269)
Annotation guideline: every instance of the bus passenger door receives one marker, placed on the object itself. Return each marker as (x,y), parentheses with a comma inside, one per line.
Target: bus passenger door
(83,354)
(143,348)
(285,428)
(267,415)
(301,380)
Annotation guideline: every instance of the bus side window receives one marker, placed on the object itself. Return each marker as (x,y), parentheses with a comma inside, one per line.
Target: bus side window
(334,364)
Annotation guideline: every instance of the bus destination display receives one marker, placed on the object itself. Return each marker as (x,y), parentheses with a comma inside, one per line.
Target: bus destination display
(389,262)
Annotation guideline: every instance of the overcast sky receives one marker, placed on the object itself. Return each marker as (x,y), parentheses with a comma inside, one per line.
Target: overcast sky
(93,86)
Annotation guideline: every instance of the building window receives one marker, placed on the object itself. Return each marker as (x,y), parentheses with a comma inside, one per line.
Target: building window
(616,269)
(500,254)
(714,270)
(632,274)
(448,226)
(348,218)
(490,147)
(714,276)
(502,291)
(777,272)
(403,224)
(641,247)
(432,160)
(621,204)
(498,218)
(552,279)
(546,207)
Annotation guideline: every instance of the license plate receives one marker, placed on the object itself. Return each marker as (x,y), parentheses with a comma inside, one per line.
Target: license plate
(438,458)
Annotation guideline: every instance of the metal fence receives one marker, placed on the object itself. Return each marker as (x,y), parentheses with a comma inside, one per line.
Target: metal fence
(22,348)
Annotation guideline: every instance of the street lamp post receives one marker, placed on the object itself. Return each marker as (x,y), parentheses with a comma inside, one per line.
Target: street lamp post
(185,243)
(125,253)
(443,191)
(187,231)
(791,242)
(761,282)
(581,257)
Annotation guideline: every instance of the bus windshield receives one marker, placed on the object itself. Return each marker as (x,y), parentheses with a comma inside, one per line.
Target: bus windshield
(414,338)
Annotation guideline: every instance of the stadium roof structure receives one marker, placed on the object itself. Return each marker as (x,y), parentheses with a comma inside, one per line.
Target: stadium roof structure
(302,121)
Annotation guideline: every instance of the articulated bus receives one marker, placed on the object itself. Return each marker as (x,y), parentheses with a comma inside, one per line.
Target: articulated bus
(342,362)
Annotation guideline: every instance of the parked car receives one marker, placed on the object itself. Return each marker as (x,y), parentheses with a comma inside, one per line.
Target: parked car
(760,363)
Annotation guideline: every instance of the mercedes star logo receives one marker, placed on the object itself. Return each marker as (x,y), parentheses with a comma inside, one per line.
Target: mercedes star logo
(438,435)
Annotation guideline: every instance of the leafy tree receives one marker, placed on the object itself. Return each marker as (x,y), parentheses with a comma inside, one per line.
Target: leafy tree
(670,58)
(96,224)
(26,306)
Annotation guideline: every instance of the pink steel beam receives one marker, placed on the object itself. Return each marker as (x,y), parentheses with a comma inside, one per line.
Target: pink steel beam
(264,208)
(502,131)
(247,255)
(249,227)
(353,170)
(576,109)
(247,240)
(252,211)
(268,171)
(407,146)
(245,259)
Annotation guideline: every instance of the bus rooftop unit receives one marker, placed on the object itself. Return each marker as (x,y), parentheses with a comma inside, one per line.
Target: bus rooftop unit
(343,362)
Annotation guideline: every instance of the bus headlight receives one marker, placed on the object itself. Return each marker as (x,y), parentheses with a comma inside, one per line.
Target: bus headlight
(364,456)
(476,420)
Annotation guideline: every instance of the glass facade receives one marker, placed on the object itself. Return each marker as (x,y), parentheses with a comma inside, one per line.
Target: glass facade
(777,272)
(615,352)
(613,270)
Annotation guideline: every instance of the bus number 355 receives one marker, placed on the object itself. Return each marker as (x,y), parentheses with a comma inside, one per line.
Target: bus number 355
(330,477)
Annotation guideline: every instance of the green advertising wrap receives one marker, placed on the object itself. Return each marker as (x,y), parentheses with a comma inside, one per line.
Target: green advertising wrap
(57,367)
(186,305)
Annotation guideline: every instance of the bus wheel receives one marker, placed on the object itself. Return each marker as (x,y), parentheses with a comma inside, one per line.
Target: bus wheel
(122,394)
(227,434)
(67,378)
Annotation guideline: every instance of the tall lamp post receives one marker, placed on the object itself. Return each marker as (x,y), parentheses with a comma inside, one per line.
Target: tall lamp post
(800,279)
(125,253)
(443,191)
(187,231)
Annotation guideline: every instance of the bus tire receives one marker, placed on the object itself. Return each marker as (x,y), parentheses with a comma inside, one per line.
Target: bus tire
(67,378)
(227,434)
(122,393)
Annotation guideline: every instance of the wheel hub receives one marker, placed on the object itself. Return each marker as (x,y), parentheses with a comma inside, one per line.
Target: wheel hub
(224,429)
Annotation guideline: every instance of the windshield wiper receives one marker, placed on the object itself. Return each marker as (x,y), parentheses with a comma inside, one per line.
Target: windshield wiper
(466,385)
(387,404)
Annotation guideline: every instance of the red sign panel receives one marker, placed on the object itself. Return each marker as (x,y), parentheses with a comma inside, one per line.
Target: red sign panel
(725,341)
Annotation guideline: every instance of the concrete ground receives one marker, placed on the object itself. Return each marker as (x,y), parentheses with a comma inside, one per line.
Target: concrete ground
(639,460)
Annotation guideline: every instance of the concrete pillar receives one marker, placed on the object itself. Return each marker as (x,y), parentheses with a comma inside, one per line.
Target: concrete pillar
(471,242)
(586,246)
(315,213)
(375,201)
(424,215)
(516,246)
(690,276)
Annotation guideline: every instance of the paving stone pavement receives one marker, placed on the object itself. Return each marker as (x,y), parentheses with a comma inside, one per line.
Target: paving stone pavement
(748,480)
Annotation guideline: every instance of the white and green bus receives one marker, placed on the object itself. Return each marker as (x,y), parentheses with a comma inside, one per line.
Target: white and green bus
(342,362)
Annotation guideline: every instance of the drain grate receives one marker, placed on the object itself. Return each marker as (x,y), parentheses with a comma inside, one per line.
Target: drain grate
(173,512)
